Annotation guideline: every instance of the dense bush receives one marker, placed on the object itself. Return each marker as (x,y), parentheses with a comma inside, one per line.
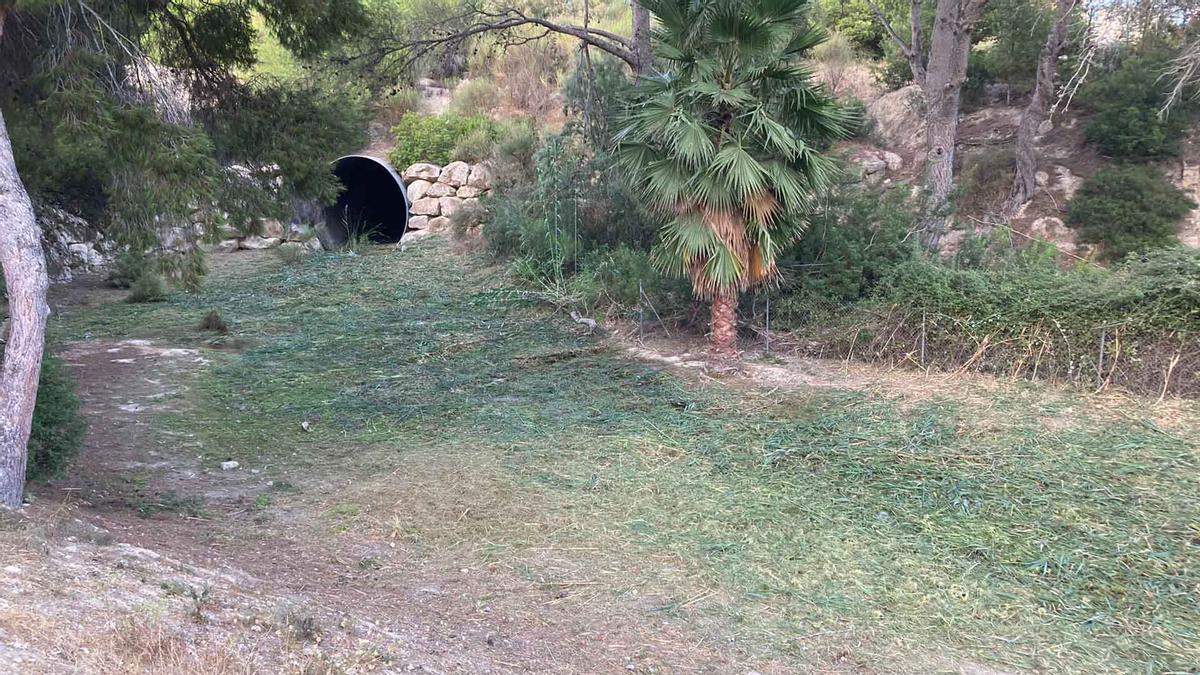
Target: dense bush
(128,266)
(1128,209)
(855,20)
(1159,291)
(853,242)
(431,138)
(149,287)
(477,96)
(1127,101)
(57,431)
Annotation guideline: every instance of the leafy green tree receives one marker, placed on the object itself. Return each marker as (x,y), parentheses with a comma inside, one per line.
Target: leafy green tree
(726,143)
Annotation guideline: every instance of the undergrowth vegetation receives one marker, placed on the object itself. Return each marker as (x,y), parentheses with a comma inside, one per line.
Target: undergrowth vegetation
(1018,526)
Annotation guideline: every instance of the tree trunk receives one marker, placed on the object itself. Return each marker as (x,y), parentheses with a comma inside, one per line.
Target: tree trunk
(25,279)
(944,74)
(723,338)
(1025,181)
(641,38)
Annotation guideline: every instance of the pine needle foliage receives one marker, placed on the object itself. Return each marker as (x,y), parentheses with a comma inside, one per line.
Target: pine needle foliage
(727,139)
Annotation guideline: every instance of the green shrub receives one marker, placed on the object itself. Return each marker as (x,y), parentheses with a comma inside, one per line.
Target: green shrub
(1128,209)
(475,97)
(431,138)
(1127,124)
(128,267)
(149,287)
(476,146)
(852,244)
(57,431)
(516,144)
(214,322)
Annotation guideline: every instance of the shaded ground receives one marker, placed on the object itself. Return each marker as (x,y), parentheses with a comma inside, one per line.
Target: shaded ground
(436,477)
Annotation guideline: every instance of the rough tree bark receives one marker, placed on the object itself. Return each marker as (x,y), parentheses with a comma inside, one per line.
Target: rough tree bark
(941,74)
(643,60)
(723,338)
(1025,180)
(25,280)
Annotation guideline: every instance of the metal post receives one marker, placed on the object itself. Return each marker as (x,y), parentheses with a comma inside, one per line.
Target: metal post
(1100,361)
(922,338)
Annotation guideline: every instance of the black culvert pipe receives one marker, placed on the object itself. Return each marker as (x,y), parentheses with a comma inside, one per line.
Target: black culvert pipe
(373,202)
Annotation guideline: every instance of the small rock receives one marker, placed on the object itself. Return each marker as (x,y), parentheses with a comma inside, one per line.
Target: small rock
(256,243)
(439,224)
(468,192)
(271,229)
(226,246)
(873,166)
(229,466)
(418,222)
(422,171)
(1041,178)
(314,244)
(894,162)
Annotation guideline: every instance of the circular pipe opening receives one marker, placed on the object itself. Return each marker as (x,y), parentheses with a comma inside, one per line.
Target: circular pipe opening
(373,203)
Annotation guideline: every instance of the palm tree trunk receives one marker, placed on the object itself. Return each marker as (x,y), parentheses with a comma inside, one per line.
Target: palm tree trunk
(25,279)
(723,338)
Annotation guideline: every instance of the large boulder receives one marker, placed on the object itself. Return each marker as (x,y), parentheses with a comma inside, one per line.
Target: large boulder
(439,224)
(422,171)
(418,222)
(456,174)
(449,205)
(897,119)
(440,190)
(225,246)
(426,206)
(468,192)
(480,177)
(418,189)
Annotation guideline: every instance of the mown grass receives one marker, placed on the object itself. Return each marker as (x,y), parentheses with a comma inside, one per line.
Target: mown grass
(473,422)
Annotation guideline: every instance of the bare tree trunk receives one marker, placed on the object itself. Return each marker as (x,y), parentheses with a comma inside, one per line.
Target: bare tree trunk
(1025,181)
(25,281)
(641,38)
(723,338)
(945,73)
(941,75)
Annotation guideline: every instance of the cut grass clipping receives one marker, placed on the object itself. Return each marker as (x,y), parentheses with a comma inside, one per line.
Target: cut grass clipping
(1027,528)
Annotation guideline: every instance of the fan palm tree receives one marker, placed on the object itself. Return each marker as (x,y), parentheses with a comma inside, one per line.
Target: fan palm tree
(726,143)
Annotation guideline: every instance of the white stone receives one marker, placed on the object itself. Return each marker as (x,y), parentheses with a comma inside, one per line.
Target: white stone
(229,466)
(314,244)
(873,166)
(894,162)
(421,171)
(455,174)
(415,235)
(226,246)
(418,222)
(1066,182)
(449,205)
(260,243)
(481,177)
(469,192)
(440,190)
(427,206)
(439,224)
(1041,178)
(300,232)
(271,229)
(417,189)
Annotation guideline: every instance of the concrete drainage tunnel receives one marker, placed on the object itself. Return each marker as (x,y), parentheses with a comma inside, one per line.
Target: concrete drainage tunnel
(373,203)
